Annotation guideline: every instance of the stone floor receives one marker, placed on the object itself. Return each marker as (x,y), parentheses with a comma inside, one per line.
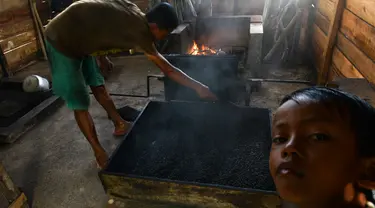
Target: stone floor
(53,163)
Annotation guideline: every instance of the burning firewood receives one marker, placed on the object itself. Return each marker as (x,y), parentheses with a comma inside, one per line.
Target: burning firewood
(203,50)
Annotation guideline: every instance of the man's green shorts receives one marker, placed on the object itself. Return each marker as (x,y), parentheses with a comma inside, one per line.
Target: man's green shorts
(70,77)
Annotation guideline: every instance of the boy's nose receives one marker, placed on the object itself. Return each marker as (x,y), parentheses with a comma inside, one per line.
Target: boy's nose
(290,149)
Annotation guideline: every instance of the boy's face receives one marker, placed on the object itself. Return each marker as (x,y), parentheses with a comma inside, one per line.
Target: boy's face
(313,155)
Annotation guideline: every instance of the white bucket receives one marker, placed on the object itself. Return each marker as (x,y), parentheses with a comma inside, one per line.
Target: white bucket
(35,83)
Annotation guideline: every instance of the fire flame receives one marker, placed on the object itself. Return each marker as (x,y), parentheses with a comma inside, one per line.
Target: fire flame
(204,50)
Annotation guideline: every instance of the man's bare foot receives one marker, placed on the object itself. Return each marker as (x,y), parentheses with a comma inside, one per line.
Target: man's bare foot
(101,159)
(121,128)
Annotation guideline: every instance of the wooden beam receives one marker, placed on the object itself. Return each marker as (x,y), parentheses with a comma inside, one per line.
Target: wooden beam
(319,41)
(364,9)
(359,32)
(38,27)
(362,62)
(331,39)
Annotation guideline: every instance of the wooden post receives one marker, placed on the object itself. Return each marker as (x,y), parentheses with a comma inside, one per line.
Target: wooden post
(38,27)
(331,37)
(3,64)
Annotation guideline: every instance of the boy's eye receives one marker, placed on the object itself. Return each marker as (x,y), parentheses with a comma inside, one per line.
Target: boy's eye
(320,137)
(278,140)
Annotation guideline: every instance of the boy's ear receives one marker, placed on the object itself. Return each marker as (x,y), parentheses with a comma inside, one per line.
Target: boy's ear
(367,179)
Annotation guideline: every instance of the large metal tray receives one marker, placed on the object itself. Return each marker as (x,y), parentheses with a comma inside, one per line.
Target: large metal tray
(198,154)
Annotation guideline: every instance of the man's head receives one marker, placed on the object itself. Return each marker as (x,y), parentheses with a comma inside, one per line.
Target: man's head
(162,20)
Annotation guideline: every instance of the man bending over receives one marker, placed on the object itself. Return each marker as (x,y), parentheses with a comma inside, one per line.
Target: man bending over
(96,27)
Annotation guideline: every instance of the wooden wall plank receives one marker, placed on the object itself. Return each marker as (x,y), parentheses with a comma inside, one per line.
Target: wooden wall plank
(359,32)
(16,28)
(365,9)
(319,40)
(21,55)
(326,8)
(17,33)
(322,22)
(14,23)
(331,39)
(344,66)
(15,14)
(9,4)
(17,40)
(362,62)
(335,73)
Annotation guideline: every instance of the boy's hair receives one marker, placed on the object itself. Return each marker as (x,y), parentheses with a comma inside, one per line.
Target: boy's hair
(164,16)
(360,113)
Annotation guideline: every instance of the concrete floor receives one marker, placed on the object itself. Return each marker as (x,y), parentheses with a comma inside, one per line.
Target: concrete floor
(53,163)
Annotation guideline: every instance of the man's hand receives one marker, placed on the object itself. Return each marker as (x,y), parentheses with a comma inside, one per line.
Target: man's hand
(180,77)
(205,93)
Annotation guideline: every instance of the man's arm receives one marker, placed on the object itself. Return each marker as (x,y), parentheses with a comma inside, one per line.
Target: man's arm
(174,73)
(180,77)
